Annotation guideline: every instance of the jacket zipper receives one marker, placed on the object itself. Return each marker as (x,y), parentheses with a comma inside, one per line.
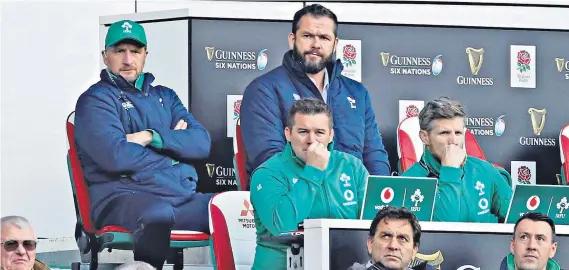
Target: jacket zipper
(326,200)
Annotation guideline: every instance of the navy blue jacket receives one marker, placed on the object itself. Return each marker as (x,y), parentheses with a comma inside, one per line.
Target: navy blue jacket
(113,108)
(268,98)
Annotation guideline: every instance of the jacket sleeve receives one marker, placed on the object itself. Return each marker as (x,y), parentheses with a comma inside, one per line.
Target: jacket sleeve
(363,174)
(99,134)
(502,193)
(261,124)
(374,156)
(279,207)
(193,142)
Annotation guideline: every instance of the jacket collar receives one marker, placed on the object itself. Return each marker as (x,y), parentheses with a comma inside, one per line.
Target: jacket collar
(288,152)
(509,264)
(295,67)
(38,265)
(432,163)
(142,83)
(379,266)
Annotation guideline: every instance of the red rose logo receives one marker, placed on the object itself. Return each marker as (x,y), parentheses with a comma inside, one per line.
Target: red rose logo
(236,109)
(350,54)
(524,59)
(524,175)
(412,111)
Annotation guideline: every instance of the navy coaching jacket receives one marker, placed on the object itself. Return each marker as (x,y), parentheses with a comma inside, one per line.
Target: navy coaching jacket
(113,108)
(268,98)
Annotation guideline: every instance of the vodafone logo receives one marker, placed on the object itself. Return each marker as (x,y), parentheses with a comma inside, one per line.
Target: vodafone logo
(533,202)
(387,195)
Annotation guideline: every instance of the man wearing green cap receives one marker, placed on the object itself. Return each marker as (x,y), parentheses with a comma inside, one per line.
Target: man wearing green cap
(136,143)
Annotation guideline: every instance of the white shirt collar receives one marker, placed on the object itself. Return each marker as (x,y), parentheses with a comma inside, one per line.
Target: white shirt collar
(326,80)
(324,91)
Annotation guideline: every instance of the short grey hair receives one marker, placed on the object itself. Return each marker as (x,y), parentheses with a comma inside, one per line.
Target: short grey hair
(309,106)
(136,265)
(17,221)
(440,108)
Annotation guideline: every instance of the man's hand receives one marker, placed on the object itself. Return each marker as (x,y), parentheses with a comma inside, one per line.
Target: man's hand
(453,156)
(317,156)
(142,137)
(181,125)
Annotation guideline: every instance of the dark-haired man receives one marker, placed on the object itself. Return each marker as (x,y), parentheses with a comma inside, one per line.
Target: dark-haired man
(393,242)
(309,71)
(533,244)
(308,179)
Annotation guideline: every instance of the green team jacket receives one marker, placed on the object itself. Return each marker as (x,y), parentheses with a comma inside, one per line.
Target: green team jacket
(508,263)
(285,192)
(476,192)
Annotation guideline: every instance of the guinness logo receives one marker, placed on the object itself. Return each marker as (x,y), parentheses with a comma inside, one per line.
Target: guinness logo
(436,259)
(210,169)
(560,62)
(209,51)
(475,58)
(537,120)
(384,58)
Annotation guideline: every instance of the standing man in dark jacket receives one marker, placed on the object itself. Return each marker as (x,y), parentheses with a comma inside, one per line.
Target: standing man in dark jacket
(136,143)
(308,70)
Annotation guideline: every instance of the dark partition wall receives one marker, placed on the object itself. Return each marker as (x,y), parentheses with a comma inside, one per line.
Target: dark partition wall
(513,83)
(480,250)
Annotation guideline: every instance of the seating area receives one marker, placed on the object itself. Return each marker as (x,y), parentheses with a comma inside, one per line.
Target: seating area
(232,240)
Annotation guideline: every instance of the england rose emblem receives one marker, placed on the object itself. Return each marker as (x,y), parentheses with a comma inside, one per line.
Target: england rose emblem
(524,59)
(236,109)
(524,175)
(412,111)
(349,55)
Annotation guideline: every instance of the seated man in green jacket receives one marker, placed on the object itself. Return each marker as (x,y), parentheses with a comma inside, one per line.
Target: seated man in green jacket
(533,244)
(308,179)
(470,189)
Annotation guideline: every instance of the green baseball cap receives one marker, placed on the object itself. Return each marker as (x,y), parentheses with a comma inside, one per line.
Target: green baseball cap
(125,29)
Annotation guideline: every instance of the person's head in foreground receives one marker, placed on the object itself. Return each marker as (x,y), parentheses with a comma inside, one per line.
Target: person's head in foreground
(125,50)
(442,127)
(309,127)
(394,238)
(18,243)
(314,37)
(135,265)
(533,242)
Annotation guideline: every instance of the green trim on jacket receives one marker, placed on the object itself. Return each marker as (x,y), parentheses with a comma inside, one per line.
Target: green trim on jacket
(285,191)
(511,265)
(475,192)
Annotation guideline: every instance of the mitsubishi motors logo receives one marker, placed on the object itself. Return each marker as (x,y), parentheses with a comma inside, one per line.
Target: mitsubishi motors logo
(247,209)
(246,218)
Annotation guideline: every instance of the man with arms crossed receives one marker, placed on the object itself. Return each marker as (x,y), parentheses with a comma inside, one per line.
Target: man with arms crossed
(533,244)
(309,70)
(470,189)
(136,143)
(308,179)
